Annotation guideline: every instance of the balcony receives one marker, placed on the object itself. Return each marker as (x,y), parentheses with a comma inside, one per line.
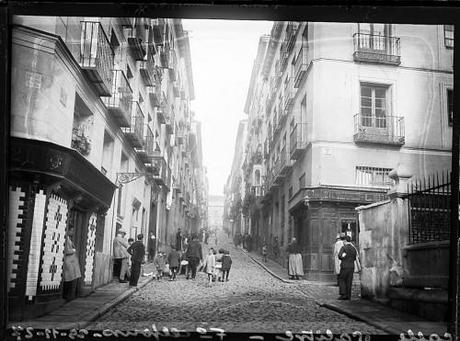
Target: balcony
(96,57)
(291,33)
(257,191)
(120,103)
(379,129)
(147,151)
(135,132)
(164,57)
(154,92)
(161,172)
(300,67)
(289,95)
(285,162)
(278,176)
(147,69)
(380,49)
(298,140)
(135,35)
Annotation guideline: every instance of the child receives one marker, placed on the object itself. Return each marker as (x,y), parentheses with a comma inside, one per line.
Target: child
(210,264)
(226,265)
(160,263)
(219,265)
(173,261)
(264,252)
(183,267)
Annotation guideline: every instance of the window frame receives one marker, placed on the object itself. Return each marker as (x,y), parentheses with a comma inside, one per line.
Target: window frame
(373,117)
(373,173)
(448,41)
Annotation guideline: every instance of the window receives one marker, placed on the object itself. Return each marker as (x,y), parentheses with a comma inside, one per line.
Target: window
(373,176)
(450,106)
(373,106)
(449,36)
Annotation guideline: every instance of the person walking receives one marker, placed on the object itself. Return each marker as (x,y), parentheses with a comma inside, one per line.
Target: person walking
(121,255)
(347,255)
(71,267)
(337,246)
(173,261)
(160,263)
(210,265)
(194,255)
(264,253)
(295,260)
(178,245)
(226,265)
(151,247)
(137,252)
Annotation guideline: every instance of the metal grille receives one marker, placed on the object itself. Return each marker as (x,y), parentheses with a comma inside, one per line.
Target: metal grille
(429,209)
(373,176)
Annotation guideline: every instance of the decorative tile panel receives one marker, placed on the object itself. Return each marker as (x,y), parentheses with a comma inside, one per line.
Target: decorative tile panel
(53,243)
(90,247)
(35,245)
(15,223)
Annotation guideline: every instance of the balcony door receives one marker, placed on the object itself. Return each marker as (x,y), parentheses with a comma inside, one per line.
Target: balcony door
(374,106)
(374,37)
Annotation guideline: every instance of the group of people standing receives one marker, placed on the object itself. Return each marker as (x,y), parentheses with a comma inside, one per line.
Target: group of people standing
(129,256)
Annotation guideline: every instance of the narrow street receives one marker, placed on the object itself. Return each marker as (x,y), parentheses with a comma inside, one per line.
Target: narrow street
(252,301)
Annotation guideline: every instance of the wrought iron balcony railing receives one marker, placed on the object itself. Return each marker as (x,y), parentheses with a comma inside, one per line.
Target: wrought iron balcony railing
(379,129)
(257,191)
(298,140)
(285,162)
(289,94)
(147,69)
(154,92)
(136,37)
(300,67)
(373,48)
(161,172)
(120,103)
(147,151)
(96,56)
(135,132)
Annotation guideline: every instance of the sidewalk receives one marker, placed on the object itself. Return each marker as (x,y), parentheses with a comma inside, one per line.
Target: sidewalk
(81,311)
(378,315)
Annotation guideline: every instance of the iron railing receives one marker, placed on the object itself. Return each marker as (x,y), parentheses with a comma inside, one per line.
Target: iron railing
(135,132)
(96,56)
(120,103)
(154,92)
(300,66)
(298,140)
(429,208)
(147,69)
(289,94)
(136,37)
(257,191)
(383,129)
(377,48)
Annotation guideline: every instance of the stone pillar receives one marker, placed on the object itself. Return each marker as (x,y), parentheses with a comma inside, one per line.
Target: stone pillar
(401,176)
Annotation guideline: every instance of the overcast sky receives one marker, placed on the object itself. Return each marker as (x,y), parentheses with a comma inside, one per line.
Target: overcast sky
(223,54)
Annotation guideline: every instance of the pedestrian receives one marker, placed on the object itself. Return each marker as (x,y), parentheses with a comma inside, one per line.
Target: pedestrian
(219,257)
(71,267)
(151,246)
(183,267)
(137,252)
(337,246)
(347,255)
(210,265)
(226,265)
(179,240)
(173,261)
(276,248)
(264,252)
(121,255)
(160,263)
(194,255)
(295,260)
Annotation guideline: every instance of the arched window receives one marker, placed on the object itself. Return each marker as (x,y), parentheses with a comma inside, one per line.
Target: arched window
(257,178)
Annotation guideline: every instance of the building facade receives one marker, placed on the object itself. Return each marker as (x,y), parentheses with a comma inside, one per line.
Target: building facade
(332,109)
(99,107)
(215,212)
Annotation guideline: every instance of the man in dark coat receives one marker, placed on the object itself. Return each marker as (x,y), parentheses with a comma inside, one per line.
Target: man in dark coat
(178,240)
(137,252)
(194,255)
(347,255)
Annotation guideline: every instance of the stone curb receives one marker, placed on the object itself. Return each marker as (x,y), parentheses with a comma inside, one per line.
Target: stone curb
(265,267)
(87,319)
(360,317)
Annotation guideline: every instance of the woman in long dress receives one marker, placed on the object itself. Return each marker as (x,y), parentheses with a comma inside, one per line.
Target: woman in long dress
(71,267)
(295,260)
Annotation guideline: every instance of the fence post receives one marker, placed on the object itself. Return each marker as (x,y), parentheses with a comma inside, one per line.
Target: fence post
(401,177)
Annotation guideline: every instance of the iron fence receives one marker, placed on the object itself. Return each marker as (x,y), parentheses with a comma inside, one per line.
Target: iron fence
(429,208)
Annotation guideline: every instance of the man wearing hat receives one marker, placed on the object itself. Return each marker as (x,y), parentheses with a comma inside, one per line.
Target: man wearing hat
(337,246)
(120,254)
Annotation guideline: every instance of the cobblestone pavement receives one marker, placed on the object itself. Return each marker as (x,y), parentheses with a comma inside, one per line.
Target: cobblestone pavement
(252,301)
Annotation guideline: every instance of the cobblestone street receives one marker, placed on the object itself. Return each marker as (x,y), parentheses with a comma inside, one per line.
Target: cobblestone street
(252,301)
